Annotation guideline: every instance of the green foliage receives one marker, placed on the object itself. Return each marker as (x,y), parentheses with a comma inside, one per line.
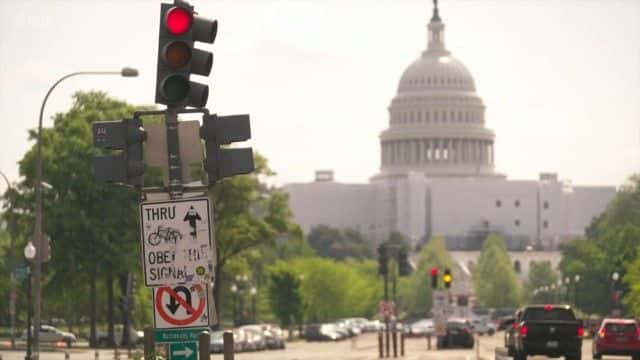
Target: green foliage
(612,244)
(540,274)
(339,244)
(283,289)
(495,281)
(415,294)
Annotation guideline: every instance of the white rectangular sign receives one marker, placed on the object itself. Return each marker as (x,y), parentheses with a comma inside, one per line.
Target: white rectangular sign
(177,242)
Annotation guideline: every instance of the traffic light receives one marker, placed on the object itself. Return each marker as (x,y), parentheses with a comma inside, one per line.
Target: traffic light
(404,267)
(447,278)
(383,268)
(126,166)
(177,57)
(434,277)
(218,131)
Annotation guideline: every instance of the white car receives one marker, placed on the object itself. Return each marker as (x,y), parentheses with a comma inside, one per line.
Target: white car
(422,327)
(50,334)
(483,326)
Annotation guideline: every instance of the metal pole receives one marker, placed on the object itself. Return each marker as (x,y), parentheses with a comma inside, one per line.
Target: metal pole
(149,344)
(402,343)
(28,357)
(395,343)
(38,226)
(386,317)
(203,345)
(227,345)
(380,345)
(173,150)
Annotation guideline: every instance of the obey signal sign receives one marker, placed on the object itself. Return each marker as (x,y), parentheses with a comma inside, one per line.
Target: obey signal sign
(181,306)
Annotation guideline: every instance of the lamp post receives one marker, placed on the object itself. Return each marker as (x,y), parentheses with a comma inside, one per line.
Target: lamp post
(254,295)
(125,72)
(29,254)
(614,285)
(234,290)
(567,281)
(576,280)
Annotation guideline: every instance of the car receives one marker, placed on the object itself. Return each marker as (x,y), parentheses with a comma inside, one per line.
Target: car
(459,334)
(323,332)
(50,334)
(135,336)
(550,330)
(216,343)
(373,326)
(617,337)
(256,338)
(510,326)
(241,341)
(505,322)
(483,326)
(422,327)
(274,336)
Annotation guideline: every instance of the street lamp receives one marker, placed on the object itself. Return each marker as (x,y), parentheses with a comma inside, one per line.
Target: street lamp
(576,280)
(29,254)
(254,293)
(234,291)
(12,275)
(125,72)
(614,285)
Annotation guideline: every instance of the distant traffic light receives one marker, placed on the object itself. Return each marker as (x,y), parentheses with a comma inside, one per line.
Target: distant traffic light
(383,268)
(127,166)
(447,278)
(434,277)
(178,59)
(218,131)
(404,267)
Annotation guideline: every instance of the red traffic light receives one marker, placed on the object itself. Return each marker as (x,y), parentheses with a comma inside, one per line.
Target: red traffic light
(434,271)
(179,20)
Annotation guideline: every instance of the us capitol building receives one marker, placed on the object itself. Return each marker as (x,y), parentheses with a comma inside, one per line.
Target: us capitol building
(437,175)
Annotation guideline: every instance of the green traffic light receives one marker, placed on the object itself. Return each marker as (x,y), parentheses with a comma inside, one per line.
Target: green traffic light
(175,88)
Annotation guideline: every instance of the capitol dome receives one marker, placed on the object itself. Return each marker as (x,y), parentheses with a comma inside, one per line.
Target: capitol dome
(436,119)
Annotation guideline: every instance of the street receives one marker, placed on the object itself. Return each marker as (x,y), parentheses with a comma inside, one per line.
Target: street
(364,348)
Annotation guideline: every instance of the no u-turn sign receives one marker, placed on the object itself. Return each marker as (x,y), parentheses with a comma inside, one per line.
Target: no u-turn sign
(181,306)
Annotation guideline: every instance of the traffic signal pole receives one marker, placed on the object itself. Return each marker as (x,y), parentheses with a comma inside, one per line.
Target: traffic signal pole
(173,149)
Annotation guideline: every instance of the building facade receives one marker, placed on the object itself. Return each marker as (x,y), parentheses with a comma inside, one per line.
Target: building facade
(437,175)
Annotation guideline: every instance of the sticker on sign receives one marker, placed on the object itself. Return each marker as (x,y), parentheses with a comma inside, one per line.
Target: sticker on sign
(177,241)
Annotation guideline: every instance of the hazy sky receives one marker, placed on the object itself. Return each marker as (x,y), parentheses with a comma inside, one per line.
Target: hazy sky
(560,79)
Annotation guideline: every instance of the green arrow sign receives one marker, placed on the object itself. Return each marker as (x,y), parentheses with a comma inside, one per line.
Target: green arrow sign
(183,351)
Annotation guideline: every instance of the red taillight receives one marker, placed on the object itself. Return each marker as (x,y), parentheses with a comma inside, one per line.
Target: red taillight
(515,325)
(580,331)
(638,332)
(548,307)
(524,330)
(602,333)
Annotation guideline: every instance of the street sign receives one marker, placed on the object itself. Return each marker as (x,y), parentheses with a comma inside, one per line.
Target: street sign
(181,306)
(164,336)
(22,272)
(387,308)
(440,312)
(183,351)
(177,242)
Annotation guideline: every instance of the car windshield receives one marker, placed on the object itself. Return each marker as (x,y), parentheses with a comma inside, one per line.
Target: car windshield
(620,328)
(546,314)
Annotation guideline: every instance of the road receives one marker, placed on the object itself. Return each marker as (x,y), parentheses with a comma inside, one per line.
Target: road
(364,348)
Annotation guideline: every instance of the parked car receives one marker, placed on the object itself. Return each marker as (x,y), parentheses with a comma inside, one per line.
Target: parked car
(422,327)
(505,322)
(241,341)
(255,335)
(459,334)
(135,336)
(323,332)
(483,326)
(50,334)
(617,337)
(216,344)
(510,327)
(274,336)
(373,325)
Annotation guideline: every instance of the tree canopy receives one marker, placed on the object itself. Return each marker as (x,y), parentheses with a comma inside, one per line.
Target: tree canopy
(494,279)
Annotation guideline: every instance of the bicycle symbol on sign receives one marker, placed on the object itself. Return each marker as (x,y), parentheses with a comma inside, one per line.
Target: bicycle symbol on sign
(169,235)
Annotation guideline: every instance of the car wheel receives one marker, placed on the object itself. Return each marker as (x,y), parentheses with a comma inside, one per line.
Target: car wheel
(634,357)
(599,356)
(69,342)
(577,356)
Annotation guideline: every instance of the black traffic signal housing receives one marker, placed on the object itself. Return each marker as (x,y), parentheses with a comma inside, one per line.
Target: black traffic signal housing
(127,166)
(404,267)
(179,29)
(218,131)
(447,278)
(434,277)
(383,260)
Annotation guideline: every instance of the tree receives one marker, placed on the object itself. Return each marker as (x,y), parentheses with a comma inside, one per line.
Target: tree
(284,294)
(495,281)
(415,293)
(540,274)
(339,244)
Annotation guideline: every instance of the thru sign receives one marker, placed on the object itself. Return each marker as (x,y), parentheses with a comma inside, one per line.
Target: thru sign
(176,242)
(181,306)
